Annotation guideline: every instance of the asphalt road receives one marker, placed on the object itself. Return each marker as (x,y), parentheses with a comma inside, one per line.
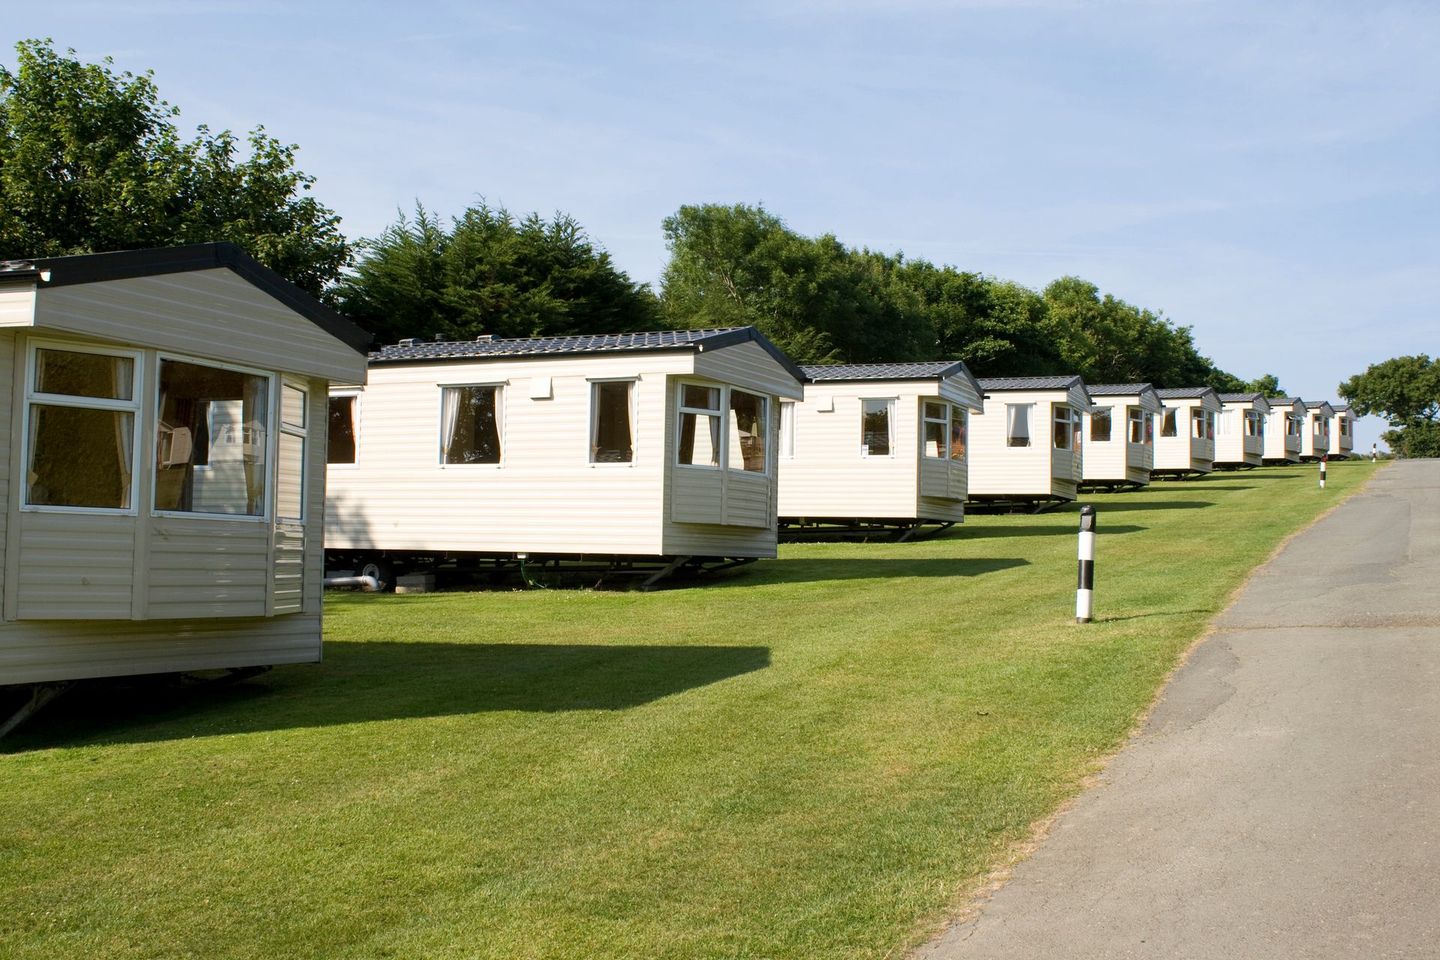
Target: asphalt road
(1284,799)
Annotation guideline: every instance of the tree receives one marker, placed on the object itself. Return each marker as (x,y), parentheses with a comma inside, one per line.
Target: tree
(1406,392)
(491,273)
(91,161)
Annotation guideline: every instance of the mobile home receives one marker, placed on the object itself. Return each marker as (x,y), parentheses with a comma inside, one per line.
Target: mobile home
(1240,430)
(1025,445)
(1284,425)
(1119,433)
(635,445)
(1342,431)
(877,445)
(163,483)
(1315,443)
(1186,441)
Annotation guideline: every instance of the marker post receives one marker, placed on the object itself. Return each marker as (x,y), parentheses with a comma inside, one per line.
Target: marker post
(1322,473)
(1085,594)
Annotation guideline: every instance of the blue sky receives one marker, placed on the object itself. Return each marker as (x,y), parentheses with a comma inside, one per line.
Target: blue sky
(1265,173)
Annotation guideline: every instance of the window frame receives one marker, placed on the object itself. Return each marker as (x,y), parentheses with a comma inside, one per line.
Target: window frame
(501,409)
(135,406)
(891,403)
(1135,418)
(719,412)
(1010,424)
(634,414)
(728,393)
(1062,413)
(948,412)
(1108,413)
(1172,416)
(354,394)
(303,432)
(272,440)
(785,441)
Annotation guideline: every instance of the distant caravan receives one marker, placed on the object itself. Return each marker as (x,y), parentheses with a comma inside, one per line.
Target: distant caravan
(1120,435)
(1026,447)
(1284,425)
(1185,445)
(1240,430)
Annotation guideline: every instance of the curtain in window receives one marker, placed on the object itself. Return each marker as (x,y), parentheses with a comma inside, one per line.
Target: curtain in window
(449,419)
(255,414)
(1017,424)
(123,379)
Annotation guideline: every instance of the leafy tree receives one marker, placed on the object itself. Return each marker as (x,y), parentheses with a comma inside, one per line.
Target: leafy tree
(1269,385)
(491,273)
(1406,392)
(91,160)
(998,328)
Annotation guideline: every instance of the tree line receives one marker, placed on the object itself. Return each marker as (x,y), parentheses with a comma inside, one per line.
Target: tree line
(93,160)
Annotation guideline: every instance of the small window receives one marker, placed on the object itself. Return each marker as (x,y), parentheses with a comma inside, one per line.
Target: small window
(1100,425)
(341,442)
(1017,424)
(937,429)
(787,428)
(699,426)
(959,428)
(1063,430)
(190,397)
(1168,427)
(875,422)
(80,451)
(1253,424)
(1344,426)
(470,425)
(1135,419)
(749,421)
(1201,422)
(612,434)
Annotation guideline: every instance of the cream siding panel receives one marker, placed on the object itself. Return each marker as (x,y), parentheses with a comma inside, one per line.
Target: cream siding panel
(215,314)
(288,589)
(7,451)
(1039,470)
(1184,451)
(35,652)
(201,567)
(1118,459)
(697,495)
(748,500)
(74,566)
(544,497)
(17,304)
(749,366)
(934,477)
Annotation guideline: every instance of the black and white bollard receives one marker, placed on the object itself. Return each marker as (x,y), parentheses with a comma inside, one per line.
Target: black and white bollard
(1085,595)
(1322,473)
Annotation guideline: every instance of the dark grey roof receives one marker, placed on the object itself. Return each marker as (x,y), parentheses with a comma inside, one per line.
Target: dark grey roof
(124,264)
(933,370)
(1339,407)
(1116,389)
(444,351)
(1180,393)
(1317,404)
(1285,401)
(1029,383)
(1241,397)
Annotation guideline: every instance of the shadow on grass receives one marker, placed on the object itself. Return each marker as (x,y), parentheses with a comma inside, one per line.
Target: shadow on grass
(362,682)
(811,569)
(1152,616)
(1116,506)
(977,530)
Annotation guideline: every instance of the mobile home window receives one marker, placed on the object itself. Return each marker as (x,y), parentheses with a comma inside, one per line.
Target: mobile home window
(787,428)
(1017,424)
(1168,427)
(612,434)
(1292,425)
(937,429)
(1204,426)
(959,428)
(470,424)
(699,426)
(290,466)
(1253,424)
(82,411)
(875,420)
(187,394)
(1344,426)
(1136,418)
(749,419)
(1100,424)
(342,411)
(1062,427)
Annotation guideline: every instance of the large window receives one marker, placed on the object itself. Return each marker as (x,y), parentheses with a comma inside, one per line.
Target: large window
(1204,424)
(699,426)
(1064,433)
(343,418)
(1100,424)
(1254,424)
(470,424)
(82,408)
(1140,426)
(876,417)
(612,433)
(937,429)
(959,429)
(749,423)
(190,397)
(1168,426)
(1017,424)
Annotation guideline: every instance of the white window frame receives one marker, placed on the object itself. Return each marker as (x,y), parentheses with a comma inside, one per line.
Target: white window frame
(1135,420)
(890,405)
(502,428)
(1109,413)
(1059,412)
(303,432)
(719,412)
(925,419)
(1173,414)
(595,423)
(963,414)
(355,394)
(727,393)
(139,454)
(272,440)
(1010,423)
(786,446)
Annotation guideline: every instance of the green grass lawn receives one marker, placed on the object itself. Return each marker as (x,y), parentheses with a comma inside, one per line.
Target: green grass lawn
(813,759)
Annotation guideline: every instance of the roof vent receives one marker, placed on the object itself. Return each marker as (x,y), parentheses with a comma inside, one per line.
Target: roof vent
(485,338)
(439,338)
(407,342)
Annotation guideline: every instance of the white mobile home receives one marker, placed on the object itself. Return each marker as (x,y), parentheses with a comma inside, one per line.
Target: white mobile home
(640,445)
(163,473)
(1240,430)
(1284,425)
(1120,434)
(1025,446)
(877,444)
(1319,415)
(1186,441)
(1342,431)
